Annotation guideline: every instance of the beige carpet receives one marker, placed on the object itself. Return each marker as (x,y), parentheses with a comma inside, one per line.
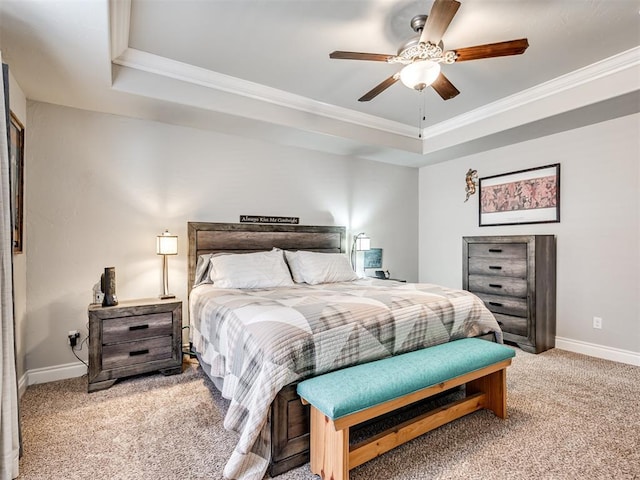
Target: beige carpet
(570,417)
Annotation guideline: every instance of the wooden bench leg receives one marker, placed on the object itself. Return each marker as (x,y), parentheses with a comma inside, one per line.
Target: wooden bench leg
(329,448)
(495,387)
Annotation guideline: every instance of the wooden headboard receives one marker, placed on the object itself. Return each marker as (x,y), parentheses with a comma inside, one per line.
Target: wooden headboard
(250,237)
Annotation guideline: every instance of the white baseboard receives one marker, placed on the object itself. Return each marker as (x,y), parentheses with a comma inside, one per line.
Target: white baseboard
(77,369)
(599,351)
(57,372)
(22,385)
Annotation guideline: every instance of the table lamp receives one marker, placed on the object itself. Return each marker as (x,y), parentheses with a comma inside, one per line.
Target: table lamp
(166,244)
(360,243)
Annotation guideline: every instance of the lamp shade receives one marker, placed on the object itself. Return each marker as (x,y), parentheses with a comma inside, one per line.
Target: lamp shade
(363,243)
(167,244)
(419,75)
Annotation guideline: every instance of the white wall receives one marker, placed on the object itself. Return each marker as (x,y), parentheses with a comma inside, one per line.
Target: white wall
(598,237)
(101,187)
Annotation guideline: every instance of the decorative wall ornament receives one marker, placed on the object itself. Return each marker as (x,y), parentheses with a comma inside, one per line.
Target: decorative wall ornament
(471,179)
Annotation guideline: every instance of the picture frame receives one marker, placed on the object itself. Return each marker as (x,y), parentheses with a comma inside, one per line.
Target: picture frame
(520,197)
(373,258)
(16,172)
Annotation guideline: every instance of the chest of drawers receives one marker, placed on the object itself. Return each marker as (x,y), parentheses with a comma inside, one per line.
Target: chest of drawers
(134,337)
(515,276)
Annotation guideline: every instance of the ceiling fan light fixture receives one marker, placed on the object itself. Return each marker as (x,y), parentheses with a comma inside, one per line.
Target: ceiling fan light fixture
(419,75)
(422,55)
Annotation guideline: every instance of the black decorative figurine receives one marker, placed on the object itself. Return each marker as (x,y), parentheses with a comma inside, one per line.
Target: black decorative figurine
(109,287)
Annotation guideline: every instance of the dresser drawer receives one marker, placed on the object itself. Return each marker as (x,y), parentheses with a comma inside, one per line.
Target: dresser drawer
(510,286)
(507,305)
(130,353)
(512,325)
(498,250)
(136,327)
(502,266)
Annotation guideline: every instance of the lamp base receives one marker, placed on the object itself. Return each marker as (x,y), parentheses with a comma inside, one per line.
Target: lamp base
(166,296)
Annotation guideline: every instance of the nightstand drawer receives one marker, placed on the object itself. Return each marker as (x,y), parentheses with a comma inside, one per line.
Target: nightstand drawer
(508,267)
(505,305)
(510,286)
(498,250)
(131,353)
(136,327)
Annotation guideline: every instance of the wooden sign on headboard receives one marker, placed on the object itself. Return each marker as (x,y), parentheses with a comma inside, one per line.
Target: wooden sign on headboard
(269,219)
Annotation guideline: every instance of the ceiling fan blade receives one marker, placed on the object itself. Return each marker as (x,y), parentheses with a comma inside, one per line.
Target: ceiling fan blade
(374,57)
(444,87)
(378,89)
(489,50)
(442,12)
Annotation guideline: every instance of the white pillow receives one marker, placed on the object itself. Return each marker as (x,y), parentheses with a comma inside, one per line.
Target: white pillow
(250,270)
(203,270)
(314,268)
(295,265)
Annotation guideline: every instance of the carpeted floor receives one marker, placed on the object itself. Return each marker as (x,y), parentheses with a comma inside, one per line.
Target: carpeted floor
(570,417)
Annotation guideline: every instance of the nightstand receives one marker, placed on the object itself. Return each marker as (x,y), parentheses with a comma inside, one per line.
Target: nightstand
(133,337)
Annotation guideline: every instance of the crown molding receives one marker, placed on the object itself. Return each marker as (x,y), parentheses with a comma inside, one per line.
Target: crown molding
(120,18)
(121,54)
(603,68)
(159,65)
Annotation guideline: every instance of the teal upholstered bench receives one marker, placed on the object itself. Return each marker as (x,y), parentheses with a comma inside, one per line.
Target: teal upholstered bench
(347,397)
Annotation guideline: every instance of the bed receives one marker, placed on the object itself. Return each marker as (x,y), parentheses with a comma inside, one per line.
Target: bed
(257,343)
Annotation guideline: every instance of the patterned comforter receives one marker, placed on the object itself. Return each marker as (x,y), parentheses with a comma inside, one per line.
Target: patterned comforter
(254,342)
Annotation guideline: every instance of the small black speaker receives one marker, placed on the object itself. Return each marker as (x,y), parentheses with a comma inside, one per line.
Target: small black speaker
(108,282)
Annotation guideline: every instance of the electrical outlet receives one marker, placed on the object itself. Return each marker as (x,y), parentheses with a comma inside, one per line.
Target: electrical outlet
(99,297)
(73,337)
(597,322)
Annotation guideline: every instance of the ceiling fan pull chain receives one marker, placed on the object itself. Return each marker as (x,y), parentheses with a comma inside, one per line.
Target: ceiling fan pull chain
(422,112)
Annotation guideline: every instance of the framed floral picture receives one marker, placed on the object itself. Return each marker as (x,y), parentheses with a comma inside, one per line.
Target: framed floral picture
(521,197)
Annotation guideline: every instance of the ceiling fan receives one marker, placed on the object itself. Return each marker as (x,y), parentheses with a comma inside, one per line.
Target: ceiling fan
(423,54)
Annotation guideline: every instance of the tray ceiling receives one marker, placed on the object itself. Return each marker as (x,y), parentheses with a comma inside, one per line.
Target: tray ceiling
(243,66)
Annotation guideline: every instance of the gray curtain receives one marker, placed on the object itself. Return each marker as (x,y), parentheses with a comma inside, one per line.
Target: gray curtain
(9,430)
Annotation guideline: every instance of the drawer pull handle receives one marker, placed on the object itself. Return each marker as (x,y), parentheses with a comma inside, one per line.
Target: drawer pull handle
(495,250)
(139,352)
(138,327)
(495,267)
(495,304)
(495,285)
